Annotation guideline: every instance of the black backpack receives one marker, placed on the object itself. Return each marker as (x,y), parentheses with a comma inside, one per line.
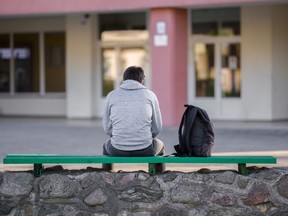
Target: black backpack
(196,133)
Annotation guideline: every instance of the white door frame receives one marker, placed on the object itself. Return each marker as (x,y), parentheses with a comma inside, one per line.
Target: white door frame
(217,106)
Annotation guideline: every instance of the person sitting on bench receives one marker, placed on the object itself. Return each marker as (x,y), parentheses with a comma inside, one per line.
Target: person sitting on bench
(132,119)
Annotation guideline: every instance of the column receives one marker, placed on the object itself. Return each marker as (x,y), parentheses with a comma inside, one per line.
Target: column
(80,34)
(169,51)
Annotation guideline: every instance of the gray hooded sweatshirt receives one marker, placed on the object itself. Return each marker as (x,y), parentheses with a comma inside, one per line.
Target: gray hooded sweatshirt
(131,116)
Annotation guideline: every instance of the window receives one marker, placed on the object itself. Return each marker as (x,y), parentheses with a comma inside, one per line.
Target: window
(55,77)
(230,71)
(205,28)
(205,69)
(5,55)
(213,22)
(121,22)
(24,52)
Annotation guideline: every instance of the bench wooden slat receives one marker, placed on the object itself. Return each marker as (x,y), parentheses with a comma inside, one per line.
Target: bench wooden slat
(38,159)
(54,159)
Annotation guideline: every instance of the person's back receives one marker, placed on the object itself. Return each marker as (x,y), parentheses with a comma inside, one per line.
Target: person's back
(132,118)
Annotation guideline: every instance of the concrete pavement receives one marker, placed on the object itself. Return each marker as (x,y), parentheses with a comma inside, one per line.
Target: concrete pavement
(63,136)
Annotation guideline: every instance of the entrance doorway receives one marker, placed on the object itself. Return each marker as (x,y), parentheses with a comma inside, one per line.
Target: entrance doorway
(116,59)
(119,50)
(216,76)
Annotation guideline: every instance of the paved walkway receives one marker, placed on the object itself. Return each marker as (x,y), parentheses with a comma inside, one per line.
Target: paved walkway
(62,136)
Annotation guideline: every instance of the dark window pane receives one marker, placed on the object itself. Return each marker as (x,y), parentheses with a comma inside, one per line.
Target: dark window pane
(122,21)
(230,28)
(231,70)
(209,28)
(204,63)
(26,60)
(5,56)
(218,21)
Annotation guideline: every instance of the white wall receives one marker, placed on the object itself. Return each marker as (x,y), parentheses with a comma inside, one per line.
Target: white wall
(33,106)
(256,62)
(80,40)
(280,62)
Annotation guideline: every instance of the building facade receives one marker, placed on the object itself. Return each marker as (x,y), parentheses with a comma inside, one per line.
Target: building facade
(62,57)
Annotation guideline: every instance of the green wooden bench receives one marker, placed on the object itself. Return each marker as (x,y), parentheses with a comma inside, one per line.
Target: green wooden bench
(39,159)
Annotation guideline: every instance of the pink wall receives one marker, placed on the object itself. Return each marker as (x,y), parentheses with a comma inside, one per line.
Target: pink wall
(21,7)
(169,63)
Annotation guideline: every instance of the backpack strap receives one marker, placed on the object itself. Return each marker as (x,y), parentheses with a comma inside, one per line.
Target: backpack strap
(185,127)
(178,148)
(182,122)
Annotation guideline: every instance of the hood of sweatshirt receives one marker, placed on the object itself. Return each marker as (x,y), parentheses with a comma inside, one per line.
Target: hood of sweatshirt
(131,85)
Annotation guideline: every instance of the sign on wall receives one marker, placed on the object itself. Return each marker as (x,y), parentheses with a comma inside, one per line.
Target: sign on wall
(160,38)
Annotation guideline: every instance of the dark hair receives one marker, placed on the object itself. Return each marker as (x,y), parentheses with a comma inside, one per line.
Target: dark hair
(134,73)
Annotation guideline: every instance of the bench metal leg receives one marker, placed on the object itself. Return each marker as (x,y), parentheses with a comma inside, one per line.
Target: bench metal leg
(242,169)
(107,166)
(156,168)
(151,168)
(38,170)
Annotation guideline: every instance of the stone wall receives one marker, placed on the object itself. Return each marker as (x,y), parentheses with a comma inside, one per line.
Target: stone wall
(90,192)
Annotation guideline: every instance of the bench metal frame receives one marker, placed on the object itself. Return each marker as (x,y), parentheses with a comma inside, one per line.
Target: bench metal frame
(39,159)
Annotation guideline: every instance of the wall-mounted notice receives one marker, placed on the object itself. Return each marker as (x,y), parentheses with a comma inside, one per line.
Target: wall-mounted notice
(160,38)
(161,27)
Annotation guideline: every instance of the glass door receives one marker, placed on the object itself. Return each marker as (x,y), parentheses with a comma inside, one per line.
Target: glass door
(204,67)
(230,70)
(115,60)
(216,74)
